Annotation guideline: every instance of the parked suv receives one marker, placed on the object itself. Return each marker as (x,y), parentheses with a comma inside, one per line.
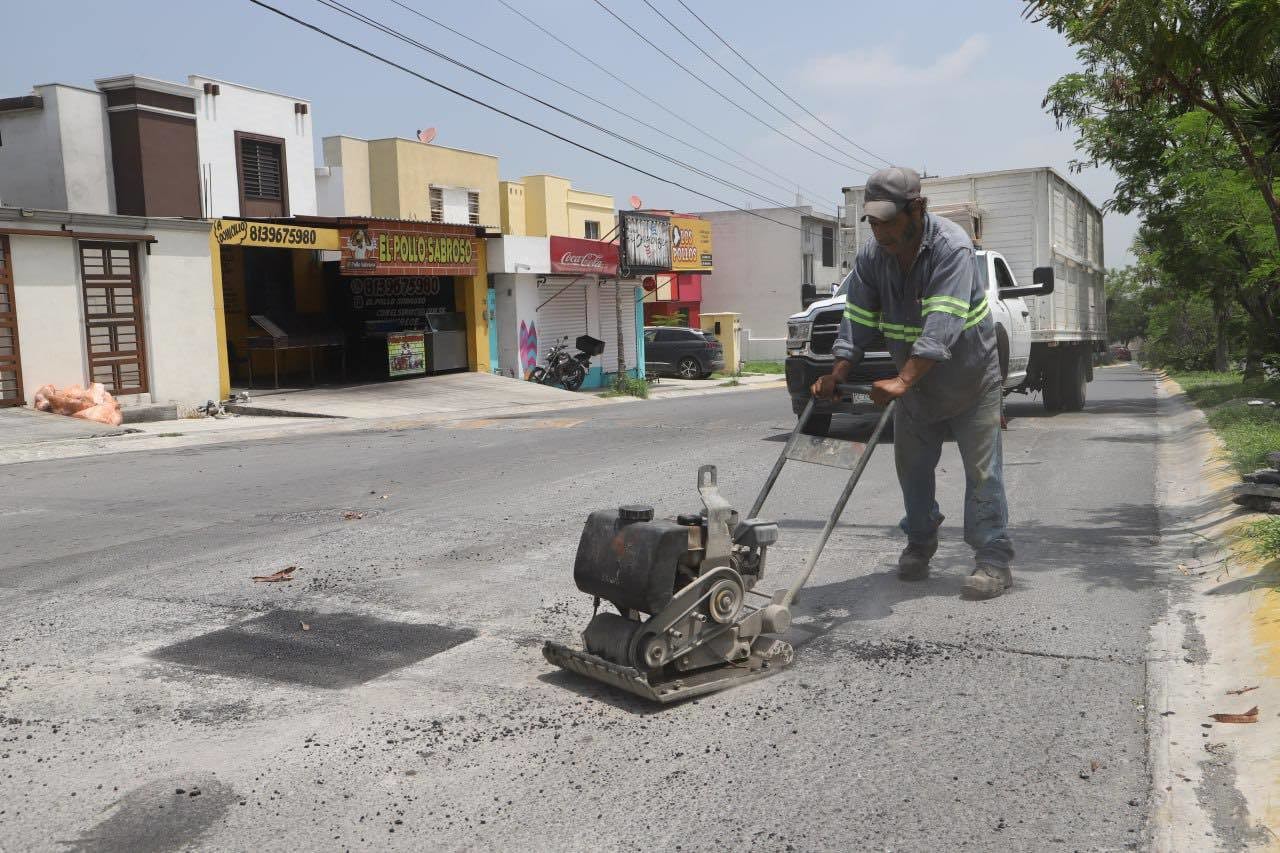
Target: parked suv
(681,351)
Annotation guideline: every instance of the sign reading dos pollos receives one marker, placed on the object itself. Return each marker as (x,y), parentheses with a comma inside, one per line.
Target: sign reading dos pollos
(375,250)
(690,244)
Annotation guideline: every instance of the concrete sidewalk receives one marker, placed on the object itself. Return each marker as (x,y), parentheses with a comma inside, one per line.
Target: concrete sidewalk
(27,436)
(457,394)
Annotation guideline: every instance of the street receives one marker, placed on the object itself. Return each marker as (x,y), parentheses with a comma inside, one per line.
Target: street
(393,695)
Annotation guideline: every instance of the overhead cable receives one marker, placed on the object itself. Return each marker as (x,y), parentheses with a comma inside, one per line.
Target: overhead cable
(780,90)
(526,122)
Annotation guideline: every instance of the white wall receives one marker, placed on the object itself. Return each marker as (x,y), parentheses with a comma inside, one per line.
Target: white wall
(86,150)
(51,335)
(758,269)
(239,108)
(58,157)
(182,338)
(515,298)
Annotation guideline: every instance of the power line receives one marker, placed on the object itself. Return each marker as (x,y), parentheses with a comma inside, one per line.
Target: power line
(338,6)
(813,195)
(769,80)
(750,89)
(740,107)
(526,122)
(596,101)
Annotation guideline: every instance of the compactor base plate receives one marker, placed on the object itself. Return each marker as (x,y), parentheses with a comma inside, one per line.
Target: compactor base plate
(674,688)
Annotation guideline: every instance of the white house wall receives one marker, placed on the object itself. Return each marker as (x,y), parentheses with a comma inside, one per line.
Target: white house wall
(238,108)
(758,269)
(31,157)
(85,142)
(182,340)
(50,309)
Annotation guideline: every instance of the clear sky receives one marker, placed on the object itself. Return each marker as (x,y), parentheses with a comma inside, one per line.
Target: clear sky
(946,86)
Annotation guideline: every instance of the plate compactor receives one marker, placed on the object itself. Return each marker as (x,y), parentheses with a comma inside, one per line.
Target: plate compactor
(684,625)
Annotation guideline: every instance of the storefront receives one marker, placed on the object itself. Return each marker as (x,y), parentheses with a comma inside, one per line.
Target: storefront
(316,299)
(396,292)
(675,296)
(124,301)
(551,288)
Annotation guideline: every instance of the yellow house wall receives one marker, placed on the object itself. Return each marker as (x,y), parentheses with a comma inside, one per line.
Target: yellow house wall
(471,296)
(352,156)
(589,206)
(401,173)
(512,197)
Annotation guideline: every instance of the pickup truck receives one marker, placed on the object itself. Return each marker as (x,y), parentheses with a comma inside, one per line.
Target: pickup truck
(811,333)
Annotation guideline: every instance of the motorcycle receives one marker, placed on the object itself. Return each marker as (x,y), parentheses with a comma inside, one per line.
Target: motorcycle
(567,371)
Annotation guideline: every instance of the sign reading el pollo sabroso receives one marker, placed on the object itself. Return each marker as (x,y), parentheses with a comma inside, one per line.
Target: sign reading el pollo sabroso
(406,250)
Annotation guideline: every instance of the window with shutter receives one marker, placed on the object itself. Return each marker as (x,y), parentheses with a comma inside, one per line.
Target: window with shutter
(437,204)
(473,208)
(264,187)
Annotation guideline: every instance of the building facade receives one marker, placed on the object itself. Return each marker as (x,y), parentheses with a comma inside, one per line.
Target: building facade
(555,276)
(762,266)
(121,300)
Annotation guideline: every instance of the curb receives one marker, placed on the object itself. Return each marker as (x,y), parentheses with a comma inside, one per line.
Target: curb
(1210,780)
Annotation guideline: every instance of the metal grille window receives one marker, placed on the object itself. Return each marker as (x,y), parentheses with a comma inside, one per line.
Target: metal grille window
(436,196)
(473,208)
(261,172)
(10,363)
(113,317)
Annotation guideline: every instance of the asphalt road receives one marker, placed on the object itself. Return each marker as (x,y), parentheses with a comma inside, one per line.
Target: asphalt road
(153,697)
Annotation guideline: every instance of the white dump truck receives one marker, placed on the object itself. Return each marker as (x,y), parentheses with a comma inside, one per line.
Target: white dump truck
(1024,223)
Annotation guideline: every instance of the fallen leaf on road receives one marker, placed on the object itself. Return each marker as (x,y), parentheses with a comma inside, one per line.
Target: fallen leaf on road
(1241,691)
(276,577)
(305,626)
(1182,568)
(353,516)
(1249,716)
(384,497)
(1093,766)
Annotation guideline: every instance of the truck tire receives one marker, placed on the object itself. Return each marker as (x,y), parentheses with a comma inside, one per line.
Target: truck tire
(1051,382)
(1073,374)
(819,424)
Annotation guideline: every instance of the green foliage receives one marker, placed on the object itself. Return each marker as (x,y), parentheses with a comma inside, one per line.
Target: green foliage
(1263,537)
(630,386)
(1126,311)
(1180,335)
(764,367)
(679,318)
(1181,98)
(1249,432)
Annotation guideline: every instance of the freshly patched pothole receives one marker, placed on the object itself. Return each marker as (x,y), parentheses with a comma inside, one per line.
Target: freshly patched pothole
(336,650)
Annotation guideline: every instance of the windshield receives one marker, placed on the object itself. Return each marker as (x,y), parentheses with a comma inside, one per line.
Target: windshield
(843,290)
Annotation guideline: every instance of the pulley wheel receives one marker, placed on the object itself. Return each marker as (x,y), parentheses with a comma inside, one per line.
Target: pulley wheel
(654,651)
(725,601)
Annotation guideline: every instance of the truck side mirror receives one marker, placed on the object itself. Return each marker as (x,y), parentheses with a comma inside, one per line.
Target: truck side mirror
(808,294)
(1043,278)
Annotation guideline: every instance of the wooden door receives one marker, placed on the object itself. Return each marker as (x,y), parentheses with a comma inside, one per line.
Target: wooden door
(113,317)
(10,360)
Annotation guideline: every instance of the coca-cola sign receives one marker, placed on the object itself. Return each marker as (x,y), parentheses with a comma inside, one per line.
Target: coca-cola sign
(583,257)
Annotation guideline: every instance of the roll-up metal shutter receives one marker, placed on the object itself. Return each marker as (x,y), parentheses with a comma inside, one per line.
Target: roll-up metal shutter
(566,314)
(609,326)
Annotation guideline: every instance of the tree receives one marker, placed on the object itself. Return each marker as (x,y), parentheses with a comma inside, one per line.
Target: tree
(1126,315)
(1219,56)
(1182,99)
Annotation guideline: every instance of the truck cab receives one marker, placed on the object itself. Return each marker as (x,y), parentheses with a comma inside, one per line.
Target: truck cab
(811,333)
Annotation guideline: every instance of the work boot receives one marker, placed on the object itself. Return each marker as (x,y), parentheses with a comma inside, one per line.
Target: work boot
(987,582)
(913,563)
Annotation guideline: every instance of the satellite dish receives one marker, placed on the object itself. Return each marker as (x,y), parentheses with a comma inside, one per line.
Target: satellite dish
(425,136)
(636,202)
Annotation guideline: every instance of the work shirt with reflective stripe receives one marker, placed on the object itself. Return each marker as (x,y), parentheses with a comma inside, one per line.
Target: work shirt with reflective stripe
(938,311)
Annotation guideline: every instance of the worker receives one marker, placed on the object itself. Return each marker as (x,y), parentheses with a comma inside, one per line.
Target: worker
(917,282)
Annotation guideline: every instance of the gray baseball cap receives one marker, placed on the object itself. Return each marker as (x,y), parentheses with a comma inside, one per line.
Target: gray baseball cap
(888,191)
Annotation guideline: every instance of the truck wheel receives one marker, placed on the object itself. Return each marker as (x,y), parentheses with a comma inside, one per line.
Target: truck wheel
(819,424)
(1073,374)
(1051,382)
